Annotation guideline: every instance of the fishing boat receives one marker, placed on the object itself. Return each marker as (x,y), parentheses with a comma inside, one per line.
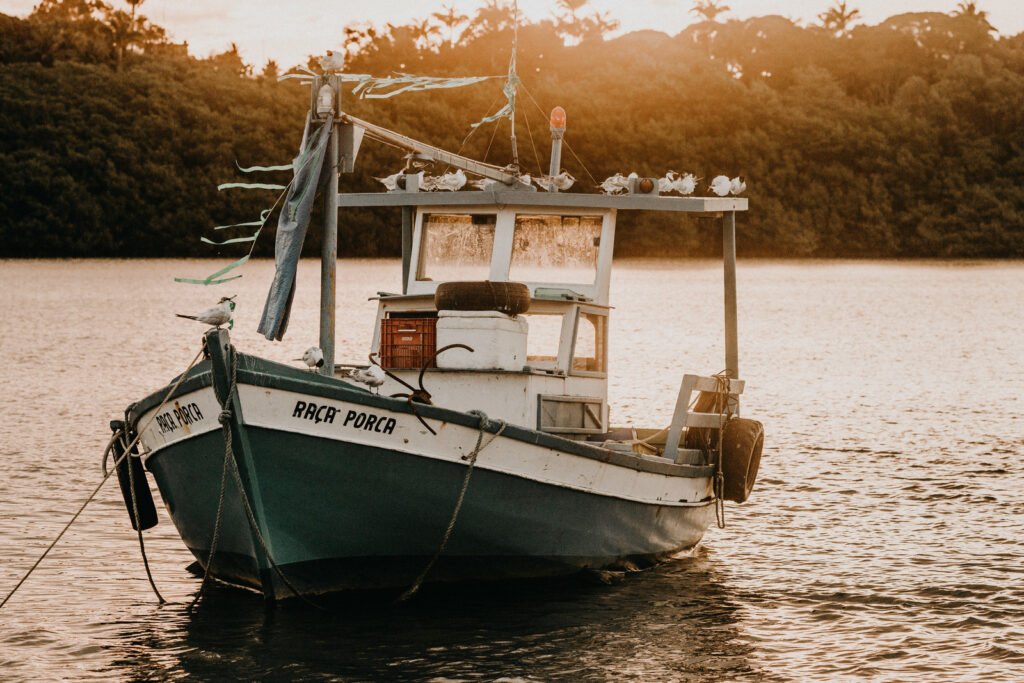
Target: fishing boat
(487,451)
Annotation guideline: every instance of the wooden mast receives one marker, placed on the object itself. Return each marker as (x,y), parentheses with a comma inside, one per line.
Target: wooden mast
(732,362)
(329,242)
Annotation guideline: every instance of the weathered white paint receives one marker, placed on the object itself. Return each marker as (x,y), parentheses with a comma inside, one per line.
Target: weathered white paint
(275,409)
(178,419)
(509,396)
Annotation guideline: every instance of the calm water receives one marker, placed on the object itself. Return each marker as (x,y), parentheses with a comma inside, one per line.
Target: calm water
(884,540)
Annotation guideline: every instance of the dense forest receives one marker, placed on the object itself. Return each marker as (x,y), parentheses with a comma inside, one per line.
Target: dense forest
(903,139)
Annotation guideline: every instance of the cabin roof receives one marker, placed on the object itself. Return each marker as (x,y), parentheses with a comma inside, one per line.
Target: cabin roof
(544,200)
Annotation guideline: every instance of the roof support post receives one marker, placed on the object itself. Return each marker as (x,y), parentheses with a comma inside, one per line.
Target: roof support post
(329,255)
(732,362)
(407,218)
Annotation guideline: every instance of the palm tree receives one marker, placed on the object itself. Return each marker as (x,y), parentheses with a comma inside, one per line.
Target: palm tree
(422,32)
(569,21)
(597,25)
(450,18)
(709,9)
(495,16)
(969,9)
(837,19)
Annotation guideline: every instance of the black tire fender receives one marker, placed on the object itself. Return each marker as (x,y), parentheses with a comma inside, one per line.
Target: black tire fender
(510,298)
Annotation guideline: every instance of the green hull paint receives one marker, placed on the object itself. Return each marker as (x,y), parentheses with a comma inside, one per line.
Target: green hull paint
(337,515)
(342,516)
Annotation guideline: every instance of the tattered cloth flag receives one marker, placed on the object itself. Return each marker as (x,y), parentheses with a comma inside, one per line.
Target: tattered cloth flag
(291,232)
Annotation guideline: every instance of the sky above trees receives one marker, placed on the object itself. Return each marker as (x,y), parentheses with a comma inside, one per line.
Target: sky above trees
(288,32)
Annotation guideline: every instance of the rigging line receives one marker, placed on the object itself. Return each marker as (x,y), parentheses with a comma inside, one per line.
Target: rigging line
(567,145)
(106,476)
(493,133)
(471,131)
(536,156)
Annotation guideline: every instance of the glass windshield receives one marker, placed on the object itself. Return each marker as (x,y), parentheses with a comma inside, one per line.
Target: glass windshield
(456,246)
(556,249)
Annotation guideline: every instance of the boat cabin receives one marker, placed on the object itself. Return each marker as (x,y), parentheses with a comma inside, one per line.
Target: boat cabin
(544,368)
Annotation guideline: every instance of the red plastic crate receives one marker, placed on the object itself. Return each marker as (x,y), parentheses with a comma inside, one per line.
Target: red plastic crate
(407,342)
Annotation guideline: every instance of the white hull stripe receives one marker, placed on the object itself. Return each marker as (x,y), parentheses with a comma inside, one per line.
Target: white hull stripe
(373,427)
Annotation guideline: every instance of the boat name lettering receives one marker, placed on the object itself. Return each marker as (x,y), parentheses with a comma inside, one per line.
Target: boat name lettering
(370,422)
(317,413)
(181,416)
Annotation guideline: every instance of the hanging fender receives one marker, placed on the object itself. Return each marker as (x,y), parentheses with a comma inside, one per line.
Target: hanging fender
(135,478)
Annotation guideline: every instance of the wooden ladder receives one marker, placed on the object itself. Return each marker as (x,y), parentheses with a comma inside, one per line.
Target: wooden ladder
(684,418)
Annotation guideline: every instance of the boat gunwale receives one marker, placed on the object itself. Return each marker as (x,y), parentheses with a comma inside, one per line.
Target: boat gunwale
(260,372)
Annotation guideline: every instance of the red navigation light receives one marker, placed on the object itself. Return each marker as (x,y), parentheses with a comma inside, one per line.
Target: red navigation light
(557,119)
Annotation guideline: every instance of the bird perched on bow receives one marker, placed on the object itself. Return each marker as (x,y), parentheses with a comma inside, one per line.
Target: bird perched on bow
(737,185)
(217,315)
(332,61)
(313,358)
(616,184)
(721,185)
(373,376)
(561,182)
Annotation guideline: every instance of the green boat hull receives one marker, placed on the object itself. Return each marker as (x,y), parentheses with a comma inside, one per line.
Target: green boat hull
(334,514)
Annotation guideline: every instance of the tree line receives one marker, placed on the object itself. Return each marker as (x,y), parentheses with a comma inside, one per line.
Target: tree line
(901,139)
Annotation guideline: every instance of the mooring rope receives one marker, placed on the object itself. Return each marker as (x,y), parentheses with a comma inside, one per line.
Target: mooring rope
(225,418)
(225,422)
(485,422)
(138,523)
(103,481)
(724,415)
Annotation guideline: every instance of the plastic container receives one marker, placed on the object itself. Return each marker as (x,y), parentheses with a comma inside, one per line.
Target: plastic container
(498,340)
(407,342)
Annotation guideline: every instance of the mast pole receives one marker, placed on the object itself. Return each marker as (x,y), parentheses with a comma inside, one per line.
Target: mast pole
(329,245)
(729,257)
(513,82)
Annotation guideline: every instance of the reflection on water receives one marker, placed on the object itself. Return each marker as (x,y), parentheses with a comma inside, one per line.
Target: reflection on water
(572,628)
(883,540)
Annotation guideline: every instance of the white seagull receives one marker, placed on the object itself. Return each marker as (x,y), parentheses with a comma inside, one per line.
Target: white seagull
(668,183)
(616,184)
(313,358)
(686,184)
(390,182)
(737,185)
(450,182)
(215,315)
(332,61)
(721,185)
(372,376)
(561,182)
(482,183)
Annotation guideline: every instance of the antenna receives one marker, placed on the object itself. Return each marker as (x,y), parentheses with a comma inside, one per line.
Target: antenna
(513,82)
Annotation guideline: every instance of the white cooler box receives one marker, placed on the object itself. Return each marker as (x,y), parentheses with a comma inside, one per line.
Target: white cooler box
(498,340)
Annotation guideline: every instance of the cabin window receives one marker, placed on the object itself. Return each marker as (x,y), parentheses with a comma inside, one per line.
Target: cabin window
(555,249)
(590,349)
(456,246)
(543,340)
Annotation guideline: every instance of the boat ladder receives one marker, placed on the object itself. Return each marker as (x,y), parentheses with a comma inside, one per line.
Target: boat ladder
(683,418)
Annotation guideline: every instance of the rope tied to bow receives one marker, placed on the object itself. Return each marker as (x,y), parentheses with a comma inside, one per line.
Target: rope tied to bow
(485,425)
